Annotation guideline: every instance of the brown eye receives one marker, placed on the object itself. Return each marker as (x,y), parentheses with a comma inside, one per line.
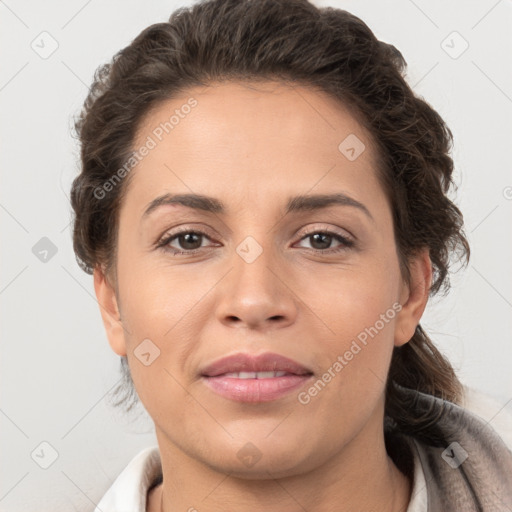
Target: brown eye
(189,240)
(322,240)
(184,242)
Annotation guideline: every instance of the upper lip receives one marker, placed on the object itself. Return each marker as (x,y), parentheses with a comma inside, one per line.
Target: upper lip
(242,362)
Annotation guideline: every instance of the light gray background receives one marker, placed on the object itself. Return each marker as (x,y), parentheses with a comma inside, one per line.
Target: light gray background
(56,364)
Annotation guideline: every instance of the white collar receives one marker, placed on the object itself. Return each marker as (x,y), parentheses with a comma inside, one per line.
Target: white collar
(129,491)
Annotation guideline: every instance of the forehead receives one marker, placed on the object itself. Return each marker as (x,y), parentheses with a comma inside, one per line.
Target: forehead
(255,109)
(252,141)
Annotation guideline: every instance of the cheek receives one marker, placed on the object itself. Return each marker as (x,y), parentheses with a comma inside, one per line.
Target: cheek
(164,315)
(355,364)
(358,316)
(156,296)
(348,300)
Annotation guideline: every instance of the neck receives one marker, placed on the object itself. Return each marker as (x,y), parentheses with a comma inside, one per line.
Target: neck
(361,477)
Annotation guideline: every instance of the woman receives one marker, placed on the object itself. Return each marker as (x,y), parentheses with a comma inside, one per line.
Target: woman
(263,205)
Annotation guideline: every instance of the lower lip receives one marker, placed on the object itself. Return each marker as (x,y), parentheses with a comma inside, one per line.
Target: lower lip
(255,390)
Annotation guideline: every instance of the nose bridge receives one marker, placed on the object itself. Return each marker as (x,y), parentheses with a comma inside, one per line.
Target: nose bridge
(253,292)
(255,265)
(254,262)
(255,251)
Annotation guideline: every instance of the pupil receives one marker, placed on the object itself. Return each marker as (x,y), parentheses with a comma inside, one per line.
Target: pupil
(187,240)
(323,236)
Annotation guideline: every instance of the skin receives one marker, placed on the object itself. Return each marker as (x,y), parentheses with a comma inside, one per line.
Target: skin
(253,146)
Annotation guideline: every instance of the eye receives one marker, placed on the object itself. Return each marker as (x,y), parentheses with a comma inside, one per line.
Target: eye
(323,239)
(188,240)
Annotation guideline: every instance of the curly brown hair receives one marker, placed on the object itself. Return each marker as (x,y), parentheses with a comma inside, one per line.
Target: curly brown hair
(297,43)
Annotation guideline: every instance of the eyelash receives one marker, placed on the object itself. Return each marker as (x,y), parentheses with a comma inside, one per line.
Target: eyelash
(164,243)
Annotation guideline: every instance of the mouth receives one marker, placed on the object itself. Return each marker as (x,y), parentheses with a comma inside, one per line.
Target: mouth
(255,375)
(248,378)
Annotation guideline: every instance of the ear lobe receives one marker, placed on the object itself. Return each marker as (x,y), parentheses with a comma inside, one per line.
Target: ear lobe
(109,310)
(414,298)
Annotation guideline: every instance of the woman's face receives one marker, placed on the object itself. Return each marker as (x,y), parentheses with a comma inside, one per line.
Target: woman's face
(314,281)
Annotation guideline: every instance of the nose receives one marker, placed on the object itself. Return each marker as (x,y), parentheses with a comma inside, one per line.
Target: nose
(255,294)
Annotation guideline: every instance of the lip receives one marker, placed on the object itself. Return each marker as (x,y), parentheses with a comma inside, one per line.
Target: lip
(242,362)
(253,389)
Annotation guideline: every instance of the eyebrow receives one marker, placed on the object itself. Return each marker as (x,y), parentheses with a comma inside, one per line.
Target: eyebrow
(299,203)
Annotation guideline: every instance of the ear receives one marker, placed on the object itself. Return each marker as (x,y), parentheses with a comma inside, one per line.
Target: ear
(413,298)
(105,293)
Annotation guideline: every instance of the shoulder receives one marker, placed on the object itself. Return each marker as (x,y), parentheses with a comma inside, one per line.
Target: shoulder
(469,465)
(496,412)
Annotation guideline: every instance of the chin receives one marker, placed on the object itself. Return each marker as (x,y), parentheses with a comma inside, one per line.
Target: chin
(265,456)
